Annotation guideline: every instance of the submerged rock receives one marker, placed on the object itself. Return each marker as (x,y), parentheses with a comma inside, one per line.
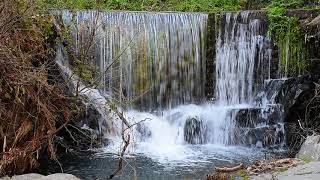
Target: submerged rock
(194,131)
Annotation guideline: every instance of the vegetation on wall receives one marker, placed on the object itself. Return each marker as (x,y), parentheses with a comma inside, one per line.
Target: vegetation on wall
(286,33)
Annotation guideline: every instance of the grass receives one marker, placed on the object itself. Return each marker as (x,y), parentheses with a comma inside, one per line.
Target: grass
(145,5)
(243,174)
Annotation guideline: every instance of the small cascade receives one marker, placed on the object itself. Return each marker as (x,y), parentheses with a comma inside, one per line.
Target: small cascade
(240,47)
(243,69)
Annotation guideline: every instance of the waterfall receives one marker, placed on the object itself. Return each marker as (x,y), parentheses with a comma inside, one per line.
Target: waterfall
(156,63)
(239,50)
(150,60)
(243,56)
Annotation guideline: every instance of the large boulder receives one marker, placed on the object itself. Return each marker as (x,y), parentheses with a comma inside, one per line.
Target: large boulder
(301,108)
(310,149)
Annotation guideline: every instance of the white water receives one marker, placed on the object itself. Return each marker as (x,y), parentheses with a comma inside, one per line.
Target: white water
(238,47)
(163,55)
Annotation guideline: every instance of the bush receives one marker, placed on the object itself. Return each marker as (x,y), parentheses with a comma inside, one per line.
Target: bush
(32,110)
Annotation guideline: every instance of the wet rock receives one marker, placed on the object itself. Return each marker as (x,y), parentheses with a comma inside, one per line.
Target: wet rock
(310,149)
(89,117)
(253,117)
(268,136)
(295,95)
(194,131)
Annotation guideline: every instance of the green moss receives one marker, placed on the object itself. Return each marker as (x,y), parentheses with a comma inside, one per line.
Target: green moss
(305,158)
(286,33)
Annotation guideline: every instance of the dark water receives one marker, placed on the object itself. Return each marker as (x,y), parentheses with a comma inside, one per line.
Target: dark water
(101,165)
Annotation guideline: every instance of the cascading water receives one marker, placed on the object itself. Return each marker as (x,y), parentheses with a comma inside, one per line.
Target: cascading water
(151,60)
(240,47)
(243,51)
(157,61)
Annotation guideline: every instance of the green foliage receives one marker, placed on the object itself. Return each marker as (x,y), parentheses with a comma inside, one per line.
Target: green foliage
(288,4)
(84,71)
(243,174)
(144,5)
(286,32)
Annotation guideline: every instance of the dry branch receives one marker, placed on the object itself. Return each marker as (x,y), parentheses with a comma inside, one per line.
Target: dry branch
(230,169)
(31,109)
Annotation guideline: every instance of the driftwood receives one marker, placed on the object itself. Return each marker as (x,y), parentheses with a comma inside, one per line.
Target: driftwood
(230,169)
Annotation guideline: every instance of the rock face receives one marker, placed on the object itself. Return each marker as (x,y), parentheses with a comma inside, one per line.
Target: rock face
(301,108)
(310,149)
(260,127)
(194,131)
(255,116)
(57,176)
(295,94)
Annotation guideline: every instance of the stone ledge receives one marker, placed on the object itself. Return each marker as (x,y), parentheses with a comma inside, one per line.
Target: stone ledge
(33,176)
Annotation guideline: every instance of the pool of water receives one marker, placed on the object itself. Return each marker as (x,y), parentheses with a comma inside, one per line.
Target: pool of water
(193,162)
